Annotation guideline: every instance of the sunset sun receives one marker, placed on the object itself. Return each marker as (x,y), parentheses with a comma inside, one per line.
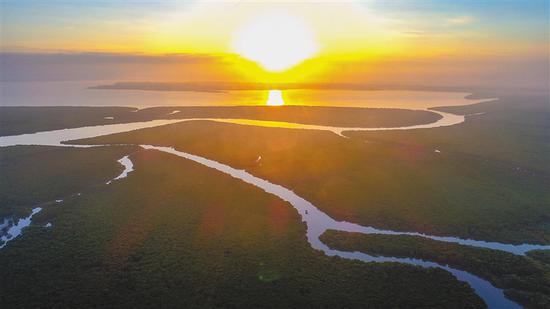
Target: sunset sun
(276,41)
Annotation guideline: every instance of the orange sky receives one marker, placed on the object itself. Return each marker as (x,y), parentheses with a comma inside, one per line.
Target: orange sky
(355,41)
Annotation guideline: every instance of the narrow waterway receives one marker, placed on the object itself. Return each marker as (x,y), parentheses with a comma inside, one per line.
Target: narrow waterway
(446,119)
(128,167)
(56,137)
(11,231)
(317,221)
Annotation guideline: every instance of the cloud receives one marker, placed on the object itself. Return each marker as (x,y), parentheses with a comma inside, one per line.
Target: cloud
(414,33)
(100,66)
(101,58)
(460,20)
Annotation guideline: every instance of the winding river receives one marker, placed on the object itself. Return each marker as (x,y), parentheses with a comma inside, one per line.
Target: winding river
(446,119)
(56,137)
(317,221)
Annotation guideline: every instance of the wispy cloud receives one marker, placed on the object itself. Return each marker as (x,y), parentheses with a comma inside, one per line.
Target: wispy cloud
(414,33)
(460,20)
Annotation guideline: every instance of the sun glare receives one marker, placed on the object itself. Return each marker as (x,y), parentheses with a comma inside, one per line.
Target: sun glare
(275,98)
(276,41)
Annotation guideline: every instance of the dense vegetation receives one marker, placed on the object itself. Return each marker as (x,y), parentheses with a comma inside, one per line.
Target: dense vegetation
(513,131)
(25,119)
(525,279)
(21,119)
(177,234)
(32,175)
(496,190)
(331,116)
(540,255)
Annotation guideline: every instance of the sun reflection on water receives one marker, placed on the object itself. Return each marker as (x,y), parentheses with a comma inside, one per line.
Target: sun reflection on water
(275,98)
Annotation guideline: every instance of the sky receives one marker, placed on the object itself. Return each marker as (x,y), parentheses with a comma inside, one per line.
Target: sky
(449,42)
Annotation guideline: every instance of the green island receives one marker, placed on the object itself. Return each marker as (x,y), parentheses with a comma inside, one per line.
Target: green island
(524,278)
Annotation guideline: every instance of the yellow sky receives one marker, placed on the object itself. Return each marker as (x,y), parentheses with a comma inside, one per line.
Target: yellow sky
(348,29)
(351,28)
(360,36)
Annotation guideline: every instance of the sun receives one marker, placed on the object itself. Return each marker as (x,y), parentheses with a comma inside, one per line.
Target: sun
(275,98)
(276,41)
